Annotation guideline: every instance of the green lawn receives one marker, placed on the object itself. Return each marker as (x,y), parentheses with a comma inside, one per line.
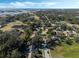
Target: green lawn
(66,51)
(71,51)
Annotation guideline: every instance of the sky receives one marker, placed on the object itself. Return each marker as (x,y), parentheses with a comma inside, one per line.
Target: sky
(39,4)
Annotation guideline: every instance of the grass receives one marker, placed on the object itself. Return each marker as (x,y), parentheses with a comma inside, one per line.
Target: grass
(72,54)
(57,53)
(9,26)
(71,51)
(66,51)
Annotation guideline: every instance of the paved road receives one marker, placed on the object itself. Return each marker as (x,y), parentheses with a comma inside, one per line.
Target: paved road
(46,51)
(30,53)
(30,47)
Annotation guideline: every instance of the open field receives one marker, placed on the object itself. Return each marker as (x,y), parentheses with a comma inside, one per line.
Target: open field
(66,51)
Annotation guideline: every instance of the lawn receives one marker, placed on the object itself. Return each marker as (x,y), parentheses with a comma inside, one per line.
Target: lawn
(71,51)
(66,51)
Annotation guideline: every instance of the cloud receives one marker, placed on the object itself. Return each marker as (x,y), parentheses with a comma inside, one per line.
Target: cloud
(42,4)
(27,5)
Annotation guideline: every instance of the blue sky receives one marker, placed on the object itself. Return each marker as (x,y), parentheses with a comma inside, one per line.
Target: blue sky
(39,3)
